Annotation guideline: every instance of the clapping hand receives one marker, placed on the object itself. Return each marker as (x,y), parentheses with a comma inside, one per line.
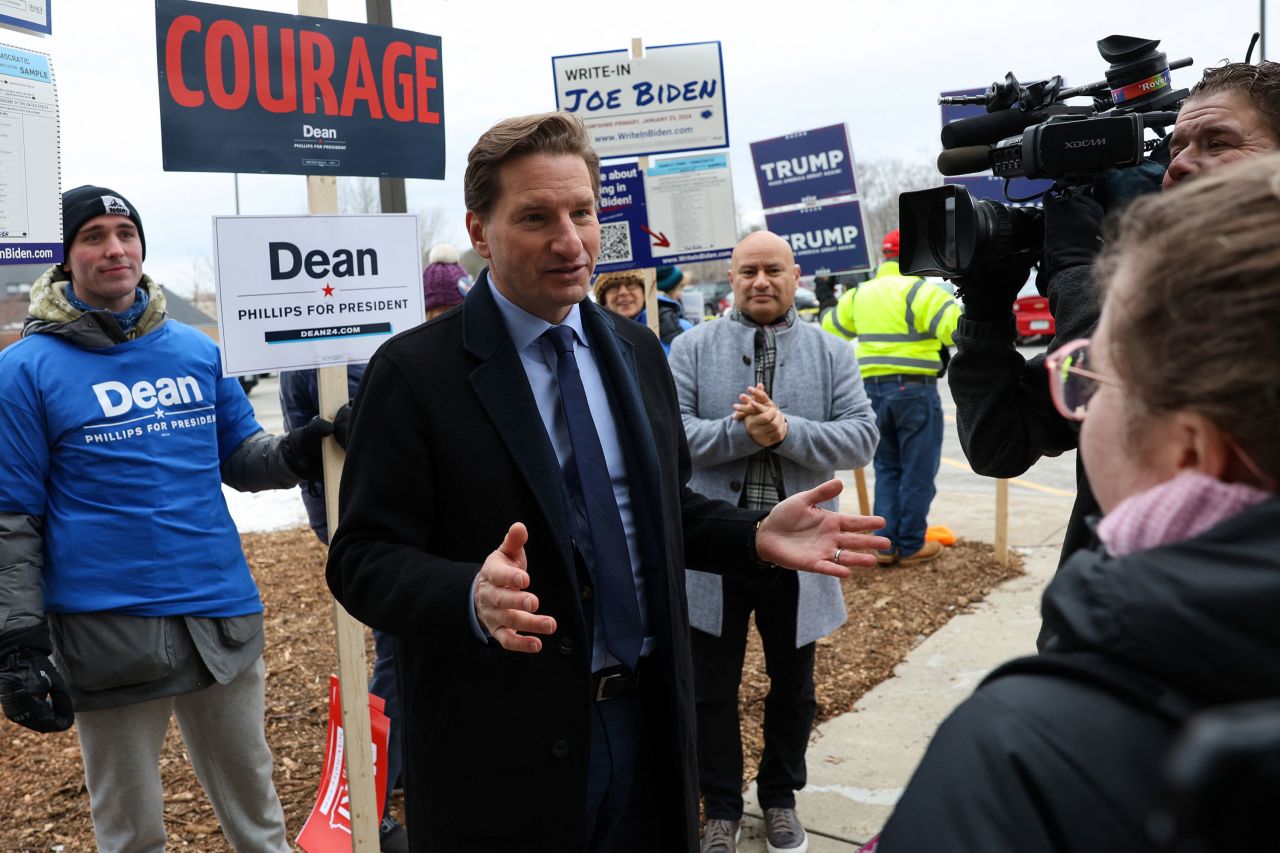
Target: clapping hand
(762,418)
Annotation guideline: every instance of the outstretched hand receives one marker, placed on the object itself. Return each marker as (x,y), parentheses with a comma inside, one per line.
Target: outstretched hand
(502,606)
(800,535)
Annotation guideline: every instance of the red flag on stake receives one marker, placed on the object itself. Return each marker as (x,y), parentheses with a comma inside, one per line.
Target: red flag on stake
(328,829)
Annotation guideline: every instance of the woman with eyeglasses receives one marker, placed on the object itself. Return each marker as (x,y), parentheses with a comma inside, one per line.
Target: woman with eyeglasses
(622,292)
(1178,395)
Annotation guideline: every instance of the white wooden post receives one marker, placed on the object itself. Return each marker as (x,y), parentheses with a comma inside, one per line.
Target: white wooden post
(322,197)
(1002,521)
(650,276)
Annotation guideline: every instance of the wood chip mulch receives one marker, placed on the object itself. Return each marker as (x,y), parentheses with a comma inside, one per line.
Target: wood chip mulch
(44,806)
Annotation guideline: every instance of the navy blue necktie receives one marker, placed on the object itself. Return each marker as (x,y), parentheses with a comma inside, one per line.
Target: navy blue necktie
(615,586)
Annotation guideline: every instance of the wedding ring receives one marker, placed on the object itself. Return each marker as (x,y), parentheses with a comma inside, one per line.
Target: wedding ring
(836,558)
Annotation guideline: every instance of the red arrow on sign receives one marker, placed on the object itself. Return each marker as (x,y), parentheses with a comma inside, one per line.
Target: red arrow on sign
(659,240)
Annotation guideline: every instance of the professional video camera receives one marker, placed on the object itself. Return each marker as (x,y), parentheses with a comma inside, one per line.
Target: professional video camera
(1029,132)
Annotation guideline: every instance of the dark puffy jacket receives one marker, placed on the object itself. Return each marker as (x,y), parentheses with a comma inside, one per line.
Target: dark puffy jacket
(1038,761)
(300,402)
(671,321)
(1004,415)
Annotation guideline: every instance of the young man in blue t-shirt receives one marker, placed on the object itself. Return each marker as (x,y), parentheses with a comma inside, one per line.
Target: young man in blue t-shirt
(118,555)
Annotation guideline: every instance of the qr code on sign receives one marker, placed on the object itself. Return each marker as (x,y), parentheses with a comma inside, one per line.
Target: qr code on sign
(615,243)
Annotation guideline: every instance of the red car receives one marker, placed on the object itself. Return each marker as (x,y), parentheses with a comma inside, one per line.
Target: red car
(1032,313)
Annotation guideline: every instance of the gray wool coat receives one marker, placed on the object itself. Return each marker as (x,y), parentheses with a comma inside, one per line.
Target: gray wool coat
(831,426)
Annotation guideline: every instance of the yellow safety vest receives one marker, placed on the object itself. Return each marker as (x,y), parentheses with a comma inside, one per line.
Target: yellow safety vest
(900,322)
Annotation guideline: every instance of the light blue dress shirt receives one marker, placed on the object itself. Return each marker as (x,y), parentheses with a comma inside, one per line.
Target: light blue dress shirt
(538,357)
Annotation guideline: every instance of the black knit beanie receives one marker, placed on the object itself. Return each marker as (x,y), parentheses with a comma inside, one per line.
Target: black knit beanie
(84,203)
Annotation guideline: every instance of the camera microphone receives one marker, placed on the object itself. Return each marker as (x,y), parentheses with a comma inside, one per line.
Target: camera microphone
(965,161)
(989,128)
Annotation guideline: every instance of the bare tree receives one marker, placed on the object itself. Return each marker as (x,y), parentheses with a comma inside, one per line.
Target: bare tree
(201,284)
(879,182)
(359,195)
(473,263)
(363,195)
(431,226)
(706,271)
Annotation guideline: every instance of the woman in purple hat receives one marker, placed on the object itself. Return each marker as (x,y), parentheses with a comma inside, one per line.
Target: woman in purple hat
(440,280)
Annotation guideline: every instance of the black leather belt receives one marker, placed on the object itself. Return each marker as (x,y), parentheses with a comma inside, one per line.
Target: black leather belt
(899,378)
(614,682)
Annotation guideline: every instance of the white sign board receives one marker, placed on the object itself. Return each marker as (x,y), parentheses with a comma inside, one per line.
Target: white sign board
(690,200)
(670,100)
(32,15)
(313,291)
(30,194)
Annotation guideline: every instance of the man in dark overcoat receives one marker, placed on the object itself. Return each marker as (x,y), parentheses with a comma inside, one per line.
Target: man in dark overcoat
(515,510)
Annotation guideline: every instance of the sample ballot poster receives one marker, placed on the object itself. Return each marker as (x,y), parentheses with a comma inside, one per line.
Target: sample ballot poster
(313,291)
(30,187)
(680,211)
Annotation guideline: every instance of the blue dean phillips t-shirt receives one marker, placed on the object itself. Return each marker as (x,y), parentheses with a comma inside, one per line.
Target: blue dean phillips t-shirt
(119,449)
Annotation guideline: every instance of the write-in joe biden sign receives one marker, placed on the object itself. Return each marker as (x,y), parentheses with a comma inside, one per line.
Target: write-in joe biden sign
(248,91)
(803,167)
(669,100)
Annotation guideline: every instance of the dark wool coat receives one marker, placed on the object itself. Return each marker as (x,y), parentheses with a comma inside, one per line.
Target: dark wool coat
(447,450)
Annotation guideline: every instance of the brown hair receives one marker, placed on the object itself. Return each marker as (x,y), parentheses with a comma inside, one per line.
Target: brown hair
(1199,330)
(1259,84)
(544,133)
(609,280)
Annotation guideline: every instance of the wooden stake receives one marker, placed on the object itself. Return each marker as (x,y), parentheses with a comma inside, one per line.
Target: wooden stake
(1002,521)
(860,480)
(649,274)
(353,676)
(650,298)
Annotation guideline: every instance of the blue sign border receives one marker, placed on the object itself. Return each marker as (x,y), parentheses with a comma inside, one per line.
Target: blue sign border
(20,24)
(859,254)
(786,147)
(636,215)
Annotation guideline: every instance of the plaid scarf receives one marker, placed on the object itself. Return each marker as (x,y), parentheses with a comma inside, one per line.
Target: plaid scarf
(763,487)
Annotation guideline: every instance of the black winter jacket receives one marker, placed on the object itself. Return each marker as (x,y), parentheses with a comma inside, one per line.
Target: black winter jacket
(1004,414)
(1044,762)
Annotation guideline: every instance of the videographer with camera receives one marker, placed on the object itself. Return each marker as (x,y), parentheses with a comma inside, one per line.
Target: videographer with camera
(1173,616)
(1004,413)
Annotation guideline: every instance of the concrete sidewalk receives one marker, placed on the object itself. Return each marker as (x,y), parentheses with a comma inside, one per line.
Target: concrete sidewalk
(860,761)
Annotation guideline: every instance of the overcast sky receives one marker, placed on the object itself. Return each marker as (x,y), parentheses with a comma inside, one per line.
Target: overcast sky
(877,66)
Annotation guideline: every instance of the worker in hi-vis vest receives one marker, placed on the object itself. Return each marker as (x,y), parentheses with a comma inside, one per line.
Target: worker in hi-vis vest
(901,324)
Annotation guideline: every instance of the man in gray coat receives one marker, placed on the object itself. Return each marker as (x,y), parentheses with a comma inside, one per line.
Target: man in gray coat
(771,407)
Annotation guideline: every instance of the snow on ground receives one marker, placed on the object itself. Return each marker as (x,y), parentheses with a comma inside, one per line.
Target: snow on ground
(274,509)
(258,512)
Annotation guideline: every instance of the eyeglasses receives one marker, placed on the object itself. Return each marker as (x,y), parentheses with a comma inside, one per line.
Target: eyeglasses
(1071,381)
(1072,384)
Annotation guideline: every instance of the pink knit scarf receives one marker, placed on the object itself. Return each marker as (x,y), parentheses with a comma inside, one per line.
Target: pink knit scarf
(1173,511)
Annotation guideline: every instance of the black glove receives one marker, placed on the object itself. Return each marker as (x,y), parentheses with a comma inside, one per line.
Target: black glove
(1072,232)
(26,677)
(342,425)
(988,293)
(302,448)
